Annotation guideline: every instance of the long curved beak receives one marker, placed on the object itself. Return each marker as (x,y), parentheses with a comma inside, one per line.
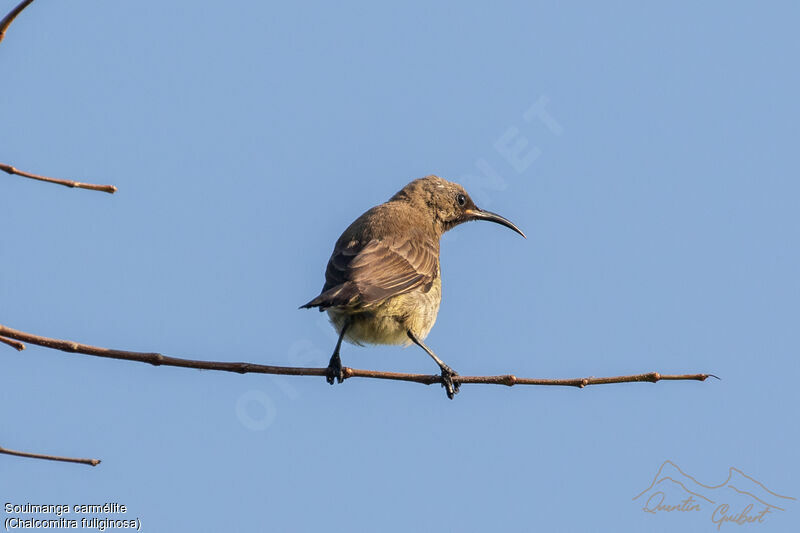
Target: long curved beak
(480,214)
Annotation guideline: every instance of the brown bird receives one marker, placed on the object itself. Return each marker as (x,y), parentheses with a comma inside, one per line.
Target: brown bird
(383,284)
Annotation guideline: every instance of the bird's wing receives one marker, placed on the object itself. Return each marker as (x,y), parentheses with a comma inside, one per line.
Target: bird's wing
(360,275)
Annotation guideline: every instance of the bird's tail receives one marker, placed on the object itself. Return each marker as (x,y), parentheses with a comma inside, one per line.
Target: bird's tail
(340,296)
(316,302)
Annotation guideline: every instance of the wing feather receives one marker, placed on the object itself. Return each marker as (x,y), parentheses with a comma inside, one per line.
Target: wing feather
(362,274)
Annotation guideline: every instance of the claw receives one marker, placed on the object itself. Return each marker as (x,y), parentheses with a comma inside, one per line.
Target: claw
(335,370)
(449,385)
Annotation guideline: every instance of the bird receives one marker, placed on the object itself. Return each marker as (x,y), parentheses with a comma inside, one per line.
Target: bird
(383,282)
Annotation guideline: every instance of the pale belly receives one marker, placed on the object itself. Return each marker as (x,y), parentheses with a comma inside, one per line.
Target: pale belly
(389,321)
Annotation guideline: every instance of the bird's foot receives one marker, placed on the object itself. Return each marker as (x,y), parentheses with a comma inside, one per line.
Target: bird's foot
(450,386)
(335,370)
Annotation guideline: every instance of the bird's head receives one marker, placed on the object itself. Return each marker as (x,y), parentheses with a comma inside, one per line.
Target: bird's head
(448,203)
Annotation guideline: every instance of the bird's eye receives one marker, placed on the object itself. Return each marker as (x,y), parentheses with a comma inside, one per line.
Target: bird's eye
(462,200)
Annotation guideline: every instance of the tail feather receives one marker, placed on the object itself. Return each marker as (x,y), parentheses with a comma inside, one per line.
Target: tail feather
(339,296)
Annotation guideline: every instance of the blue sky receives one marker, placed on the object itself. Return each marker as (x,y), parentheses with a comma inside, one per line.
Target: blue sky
(659,196)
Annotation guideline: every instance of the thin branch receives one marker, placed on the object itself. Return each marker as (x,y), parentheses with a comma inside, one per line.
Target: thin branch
(66,183)
(14,344)
(158,359)
(90,462)
(6,22)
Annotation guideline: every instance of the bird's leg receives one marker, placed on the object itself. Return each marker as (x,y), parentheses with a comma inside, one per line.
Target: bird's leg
(335,371)
(447,373)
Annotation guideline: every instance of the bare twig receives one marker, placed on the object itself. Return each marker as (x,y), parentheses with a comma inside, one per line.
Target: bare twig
(90,462)
(4,24)
(158,359)
(67,183)
(14,344)
(8,19)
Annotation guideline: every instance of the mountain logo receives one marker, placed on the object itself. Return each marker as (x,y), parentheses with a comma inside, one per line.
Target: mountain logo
(738,500)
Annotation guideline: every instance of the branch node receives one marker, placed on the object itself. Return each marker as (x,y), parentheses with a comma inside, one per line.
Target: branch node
(510,380)
(14,344)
